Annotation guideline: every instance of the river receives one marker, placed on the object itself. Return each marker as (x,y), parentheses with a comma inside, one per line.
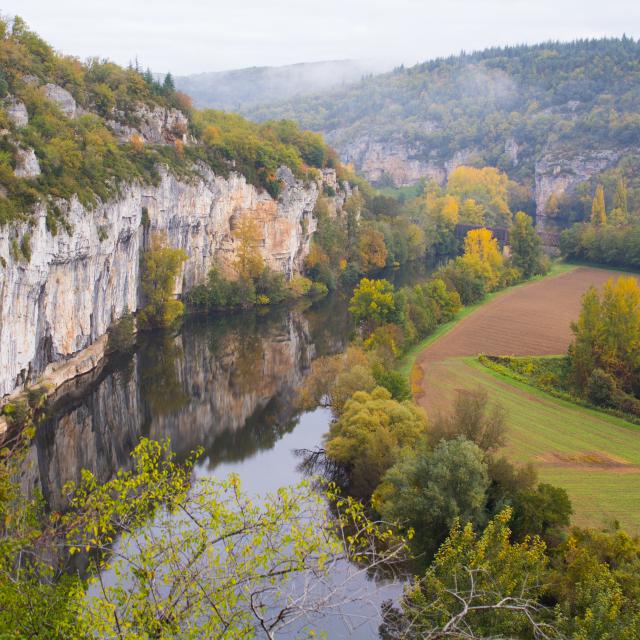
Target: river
(226,384)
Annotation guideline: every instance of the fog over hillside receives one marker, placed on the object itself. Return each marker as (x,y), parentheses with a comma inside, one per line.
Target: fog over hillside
(240,89)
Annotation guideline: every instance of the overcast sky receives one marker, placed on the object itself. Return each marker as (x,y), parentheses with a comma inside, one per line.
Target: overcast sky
(189,36)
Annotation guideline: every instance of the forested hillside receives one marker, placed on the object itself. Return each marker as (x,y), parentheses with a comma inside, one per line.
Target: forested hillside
(552,115)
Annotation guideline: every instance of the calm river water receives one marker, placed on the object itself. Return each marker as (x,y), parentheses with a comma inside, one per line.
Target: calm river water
(224,383)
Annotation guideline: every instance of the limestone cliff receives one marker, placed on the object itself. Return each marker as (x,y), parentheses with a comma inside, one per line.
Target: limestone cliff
(62,297)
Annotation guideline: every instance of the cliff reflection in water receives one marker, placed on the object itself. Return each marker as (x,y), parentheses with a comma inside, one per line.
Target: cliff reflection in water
(225,384)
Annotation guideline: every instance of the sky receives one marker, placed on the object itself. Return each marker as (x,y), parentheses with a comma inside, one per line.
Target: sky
(193,36)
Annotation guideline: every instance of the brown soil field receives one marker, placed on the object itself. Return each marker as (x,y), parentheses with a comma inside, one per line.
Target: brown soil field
(532,320)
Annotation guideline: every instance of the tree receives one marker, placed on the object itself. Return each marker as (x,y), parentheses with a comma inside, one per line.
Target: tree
(369,436)
(373,302)
(372,251)
(607,335)
(598,211)
(426,491)
(543,511)
(584,350)
(484,190)
(478,586)
(168,85)
(619,214)
(160,267)
(526,247)
(482,255)
(194,556)
(248,237)
(472,420)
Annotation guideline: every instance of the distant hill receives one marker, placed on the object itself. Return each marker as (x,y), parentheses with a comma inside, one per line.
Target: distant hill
(555,116)
(241,89)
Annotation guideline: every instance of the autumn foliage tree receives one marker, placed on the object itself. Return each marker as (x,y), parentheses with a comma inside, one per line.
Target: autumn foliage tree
(607,335)
(160,268)
(373,302)
(248,237)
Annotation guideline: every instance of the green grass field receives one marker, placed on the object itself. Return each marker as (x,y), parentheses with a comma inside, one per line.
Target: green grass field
(596,457)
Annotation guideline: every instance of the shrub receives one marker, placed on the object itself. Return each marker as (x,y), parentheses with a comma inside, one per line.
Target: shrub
(122,334)
(601,387)
(393,381)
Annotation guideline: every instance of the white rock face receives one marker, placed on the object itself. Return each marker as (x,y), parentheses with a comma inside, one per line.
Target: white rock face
(404,164)
(17,112)
(75,286)
(155,125)
(27,165)
(557,174)
(62,98)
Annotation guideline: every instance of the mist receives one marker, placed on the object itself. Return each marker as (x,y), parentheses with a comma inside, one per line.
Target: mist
(242,89)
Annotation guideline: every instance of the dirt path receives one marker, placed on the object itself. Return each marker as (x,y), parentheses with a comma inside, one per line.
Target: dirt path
(531,320)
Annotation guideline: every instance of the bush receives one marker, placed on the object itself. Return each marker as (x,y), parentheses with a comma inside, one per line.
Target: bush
(122,334)
(393,381)
(601,387)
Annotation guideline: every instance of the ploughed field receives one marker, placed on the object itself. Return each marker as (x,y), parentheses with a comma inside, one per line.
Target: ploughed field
(596,457)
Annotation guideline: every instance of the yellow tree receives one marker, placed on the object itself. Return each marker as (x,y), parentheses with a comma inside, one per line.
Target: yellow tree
(472,212)
(487,186)
(450,209)
(481,243)
(598,211)
(249,260)
(481,248)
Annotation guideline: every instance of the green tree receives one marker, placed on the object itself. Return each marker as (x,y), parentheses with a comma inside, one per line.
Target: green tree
(428,490)
(598,210)
(168,84)
(544,511)
(160,267)
(619,214)
(371,434)
(526,247)
(478,586)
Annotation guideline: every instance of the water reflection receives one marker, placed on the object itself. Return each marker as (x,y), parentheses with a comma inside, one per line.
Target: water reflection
(226,385)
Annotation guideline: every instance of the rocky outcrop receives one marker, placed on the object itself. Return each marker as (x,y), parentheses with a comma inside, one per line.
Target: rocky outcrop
(155,125)
(62,296)
(396,161)
(27,165)
(17,112)
(62,98)
(557,174)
